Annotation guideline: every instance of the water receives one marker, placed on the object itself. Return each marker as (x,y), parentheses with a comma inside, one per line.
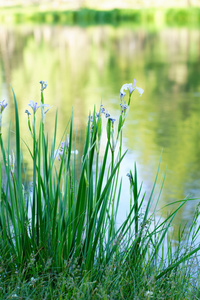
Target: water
(84,65)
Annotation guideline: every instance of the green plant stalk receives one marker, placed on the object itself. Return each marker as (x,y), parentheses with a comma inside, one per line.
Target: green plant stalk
(34,158)
(174,265)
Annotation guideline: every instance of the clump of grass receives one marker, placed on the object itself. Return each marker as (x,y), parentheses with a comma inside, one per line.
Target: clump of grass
(59,240)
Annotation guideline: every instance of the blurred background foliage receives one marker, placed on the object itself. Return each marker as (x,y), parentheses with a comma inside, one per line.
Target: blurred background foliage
(91,16)
(106,4)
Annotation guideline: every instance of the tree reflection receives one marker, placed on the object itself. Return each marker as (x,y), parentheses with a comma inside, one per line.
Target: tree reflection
(81,65)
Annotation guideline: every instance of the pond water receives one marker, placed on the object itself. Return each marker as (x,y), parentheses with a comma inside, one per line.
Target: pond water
(84,65)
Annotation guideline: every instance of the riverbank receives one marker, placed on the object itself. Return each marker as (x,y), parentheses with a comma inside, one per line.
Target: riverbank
(63,240)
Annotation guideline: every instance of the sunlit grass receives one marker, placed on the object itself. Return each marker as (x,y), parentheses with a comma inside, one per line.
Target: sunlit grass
(59,238)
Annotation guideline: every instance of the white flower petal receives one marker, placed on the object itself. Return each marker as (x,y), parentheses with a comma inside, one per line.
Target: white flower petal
(134,82)
(140,91)
(125,86)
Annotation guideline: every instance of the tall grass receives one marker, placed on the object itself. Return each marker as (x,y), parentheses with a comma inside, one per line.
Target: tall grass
(64,227)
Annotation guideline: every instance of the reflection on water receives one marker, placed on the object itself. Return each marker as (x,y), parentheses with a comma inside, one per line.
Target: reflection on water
(84,65)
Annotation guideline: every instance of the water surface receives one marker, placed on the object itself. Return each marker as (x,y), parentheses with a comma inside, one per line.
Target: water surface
(84,65)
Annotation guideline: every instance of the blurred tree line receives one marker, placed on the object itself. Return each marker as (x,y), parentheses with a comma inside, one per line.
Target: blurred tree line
(108,4)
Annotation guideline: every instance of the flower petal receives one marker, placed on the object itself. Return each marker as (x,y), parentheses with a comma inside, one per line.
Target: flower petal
(27,112)
(43,85)
(140,91)
(134,82)
(33,105)
(126,86)
(3,105)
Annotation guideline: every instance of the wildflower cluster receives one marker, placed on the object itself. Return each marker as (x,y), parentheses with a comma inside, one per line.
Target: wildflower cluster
(43,85)
(110,129)
(63,149)
(131,87)
(107,114)
(130,177)
(123,107)
(35,106)
(64,146)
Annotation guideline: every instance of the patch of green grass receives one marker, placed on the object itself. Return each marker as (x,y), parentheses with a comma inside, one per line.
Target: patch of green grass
(59,238)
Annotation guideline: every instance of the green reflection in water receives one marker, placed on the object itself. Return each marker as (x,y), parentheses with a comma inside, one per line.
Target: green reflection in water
(84,65)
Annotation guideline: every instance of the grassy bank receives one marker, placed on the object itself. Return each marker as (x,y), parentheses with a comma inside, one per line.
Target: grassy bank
(189,17)
(59,237)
